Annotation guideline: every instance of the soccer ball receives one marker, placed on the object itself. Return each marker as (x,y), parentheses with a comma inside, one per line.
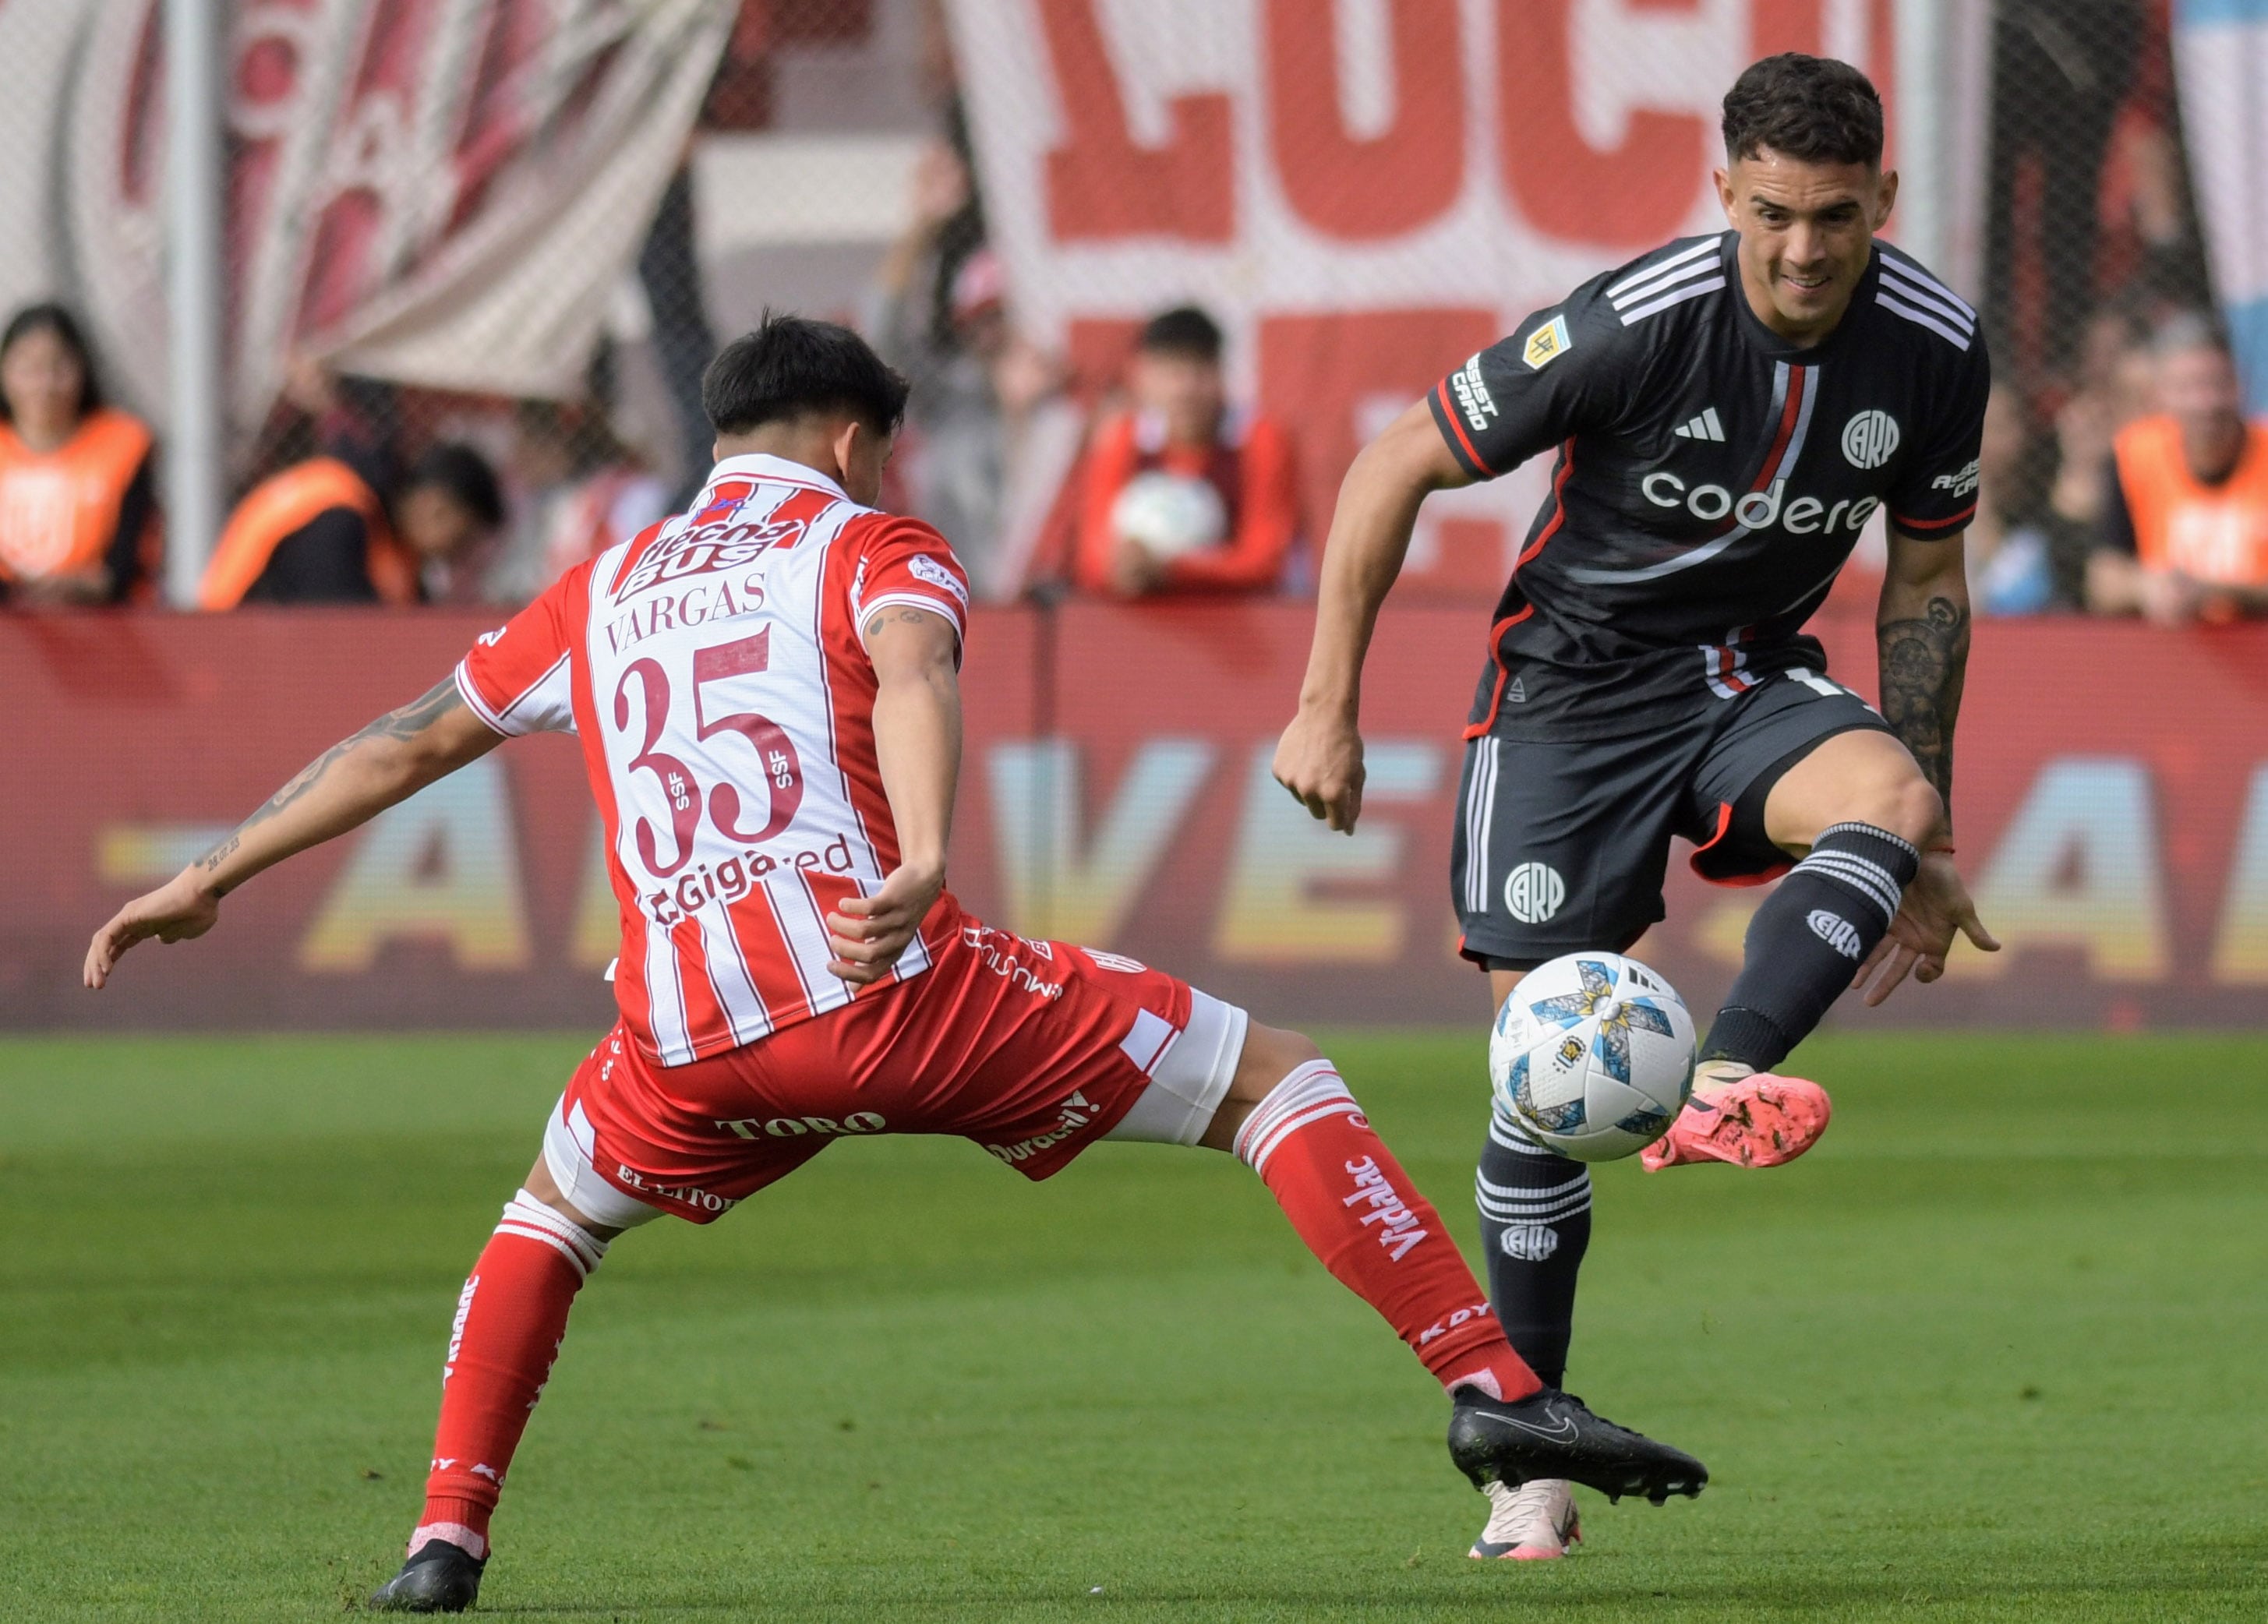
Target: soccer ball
(1170,514)
(1592,1056)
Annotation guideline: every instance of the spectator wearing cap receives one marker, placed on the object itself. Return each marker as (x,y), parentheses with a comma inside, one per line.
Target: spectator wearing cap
(1184,492)
(78,512)
(319,533)
(2185,529)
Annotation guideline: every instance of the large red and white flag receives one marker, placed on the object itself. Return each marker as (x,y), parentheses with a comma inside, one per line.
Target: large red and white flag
(440,191)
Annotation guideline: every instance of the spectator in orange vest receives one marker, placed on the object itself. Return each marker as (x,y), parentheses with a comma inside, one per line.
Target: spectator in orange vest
(1185,492)
(78,512)
(2185,525)
(319,533)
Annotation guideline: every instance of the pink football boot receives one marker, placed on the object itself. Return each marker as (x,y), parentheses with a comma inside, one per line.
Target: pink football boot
(1751,1119)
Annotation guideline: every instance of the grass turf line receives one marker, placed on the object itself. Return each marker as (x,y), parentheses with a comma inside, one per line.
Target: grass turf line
(1992,1352)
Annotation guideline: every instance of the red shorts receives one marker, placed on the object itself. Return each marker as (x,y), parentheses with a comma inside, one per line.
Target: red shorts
(1033,1050)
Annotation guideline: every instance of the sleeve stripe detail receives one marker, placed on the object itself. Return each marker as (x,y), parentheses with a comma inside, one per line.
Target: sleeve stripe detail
(1445,411)
(1912,271)
(1920,294)
(1882,297)
(1662,284)
(1961,517)
(478,706)
(1631,281)
(1692,290)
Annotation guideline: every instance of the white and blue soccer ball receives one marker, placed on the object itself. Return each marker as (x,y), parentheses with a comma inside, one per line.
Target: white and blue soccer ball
(1592,1056)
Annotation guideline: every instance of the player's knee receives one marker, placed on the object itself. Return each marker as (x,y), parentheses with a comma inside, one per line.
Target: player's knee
(1270,1056)
(1907,805)
(1913,811)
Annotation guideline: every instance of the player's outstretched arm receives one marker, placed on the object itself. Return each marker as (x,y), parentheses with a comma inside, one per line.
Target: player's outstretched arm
(1319,759)
(1922,632)
(346,786)
(918,746)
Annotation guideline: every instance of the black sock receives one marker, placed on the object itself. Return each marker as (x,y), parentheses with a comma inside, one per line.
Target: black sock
(1807,942)
(1536,1225)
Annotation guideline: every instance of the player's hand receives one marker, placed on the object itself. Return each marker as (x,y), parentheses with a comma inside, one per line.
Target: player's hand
(177,911)
(1319,759)
(868,933)
(1935,908)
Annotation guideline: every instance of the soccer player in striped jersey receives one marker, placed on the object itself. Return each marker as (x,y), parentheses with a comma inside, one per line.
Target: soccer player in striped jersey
(765,690)
(1726,414)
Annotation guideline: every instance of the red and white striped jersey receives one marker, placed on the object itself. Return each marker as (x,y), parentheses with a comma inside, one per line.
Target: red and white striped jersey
(715,669)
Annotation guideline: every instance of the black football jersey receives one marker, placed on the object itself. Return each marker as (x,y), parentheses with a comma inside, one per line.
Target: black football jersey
(1712,479)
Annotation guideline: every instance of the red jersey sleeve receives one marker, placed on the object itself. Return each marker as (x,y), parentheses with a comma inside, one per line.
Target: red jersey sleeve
(515,677)
(902,561)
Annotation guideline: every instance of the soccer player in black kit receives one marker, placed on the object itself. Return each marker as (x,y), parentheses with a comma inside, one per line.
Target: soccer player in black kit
(1726,414)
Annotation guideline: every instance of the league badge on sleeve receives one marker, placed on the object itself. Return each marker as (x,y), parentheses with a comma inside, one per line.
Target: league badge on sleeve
(1548,344)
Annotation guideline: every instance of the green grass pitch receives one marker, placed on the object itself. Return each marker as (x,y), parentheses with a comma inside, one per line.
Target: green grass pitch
(1997,1349)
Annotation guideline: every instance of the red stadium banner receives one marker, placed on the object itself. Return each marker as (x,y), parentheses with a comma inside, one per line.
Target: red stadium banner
(1368,191)
(2112,811)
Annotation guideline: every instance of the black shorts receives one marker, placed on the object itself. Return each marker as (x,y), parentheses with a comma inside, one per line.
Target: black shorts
(1563,847)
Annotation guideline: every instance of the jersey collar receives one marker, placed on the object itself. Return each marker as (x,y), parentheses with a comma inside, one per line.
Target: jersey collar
(1772,345)
(763,465)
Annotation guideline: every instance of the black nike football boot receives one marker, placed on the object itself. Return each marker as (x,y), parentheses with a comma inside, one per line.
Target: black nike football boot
(1550,1434)
(441,1578)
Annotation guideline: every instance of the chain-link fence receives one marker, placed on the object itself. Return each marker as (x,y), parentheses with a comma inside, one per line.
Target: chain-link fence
(519,228)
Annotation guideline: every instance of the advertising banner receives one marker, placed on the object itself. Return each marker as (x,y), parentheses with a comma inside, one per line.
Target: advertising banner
(1366,192)
(2111,813)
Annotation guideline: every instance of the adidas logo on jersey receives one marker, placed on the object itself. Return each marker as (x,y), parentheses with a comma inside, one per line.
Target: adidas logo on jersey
(1705,427)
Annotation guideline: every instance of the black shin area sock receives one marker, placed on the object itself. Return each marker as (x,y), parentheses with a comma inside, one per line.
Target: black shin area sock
(1536,1225)
(1807,942)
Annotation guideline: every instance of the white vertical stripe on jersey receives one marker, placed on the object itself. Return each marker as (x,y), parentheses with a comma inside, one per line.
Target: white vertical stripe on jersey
(805,926)
(665,998)
(729,974)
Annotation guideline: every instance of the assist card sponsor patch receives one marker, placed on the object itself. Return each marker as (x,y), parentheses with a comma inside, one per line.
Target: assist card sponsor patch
(1548,344)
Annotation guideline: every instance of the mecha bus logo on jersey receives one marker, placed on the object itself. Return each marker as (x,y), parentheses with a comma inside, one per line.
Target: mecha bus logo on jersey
(1870,439)
(1533,892)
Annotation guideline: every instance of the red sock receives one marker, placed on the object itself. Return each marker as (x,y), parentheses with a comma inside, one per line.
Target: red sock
(1358,1212)
(509,1321)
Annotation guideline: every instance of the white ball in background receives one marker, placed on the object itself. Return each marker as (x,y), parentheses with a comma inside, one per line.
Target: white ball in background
(1170,514)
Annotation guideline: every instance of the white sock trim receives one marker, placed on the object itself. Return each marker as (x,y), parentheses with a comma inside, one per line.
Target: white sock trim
(456,1534)
(1308,1093)
(530,1219)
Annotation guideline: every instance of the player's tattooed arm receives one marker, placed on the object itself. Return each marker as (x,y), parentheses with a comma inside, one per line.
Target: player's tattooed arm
(346,786)
(1925,661)
(1922,634)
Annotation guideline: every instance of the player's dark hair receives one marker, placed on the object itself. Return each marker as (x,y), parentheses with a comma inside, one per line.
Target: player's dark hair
(1184,330)
(1813,109)
(791,367)
(465,474)
(58,319)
